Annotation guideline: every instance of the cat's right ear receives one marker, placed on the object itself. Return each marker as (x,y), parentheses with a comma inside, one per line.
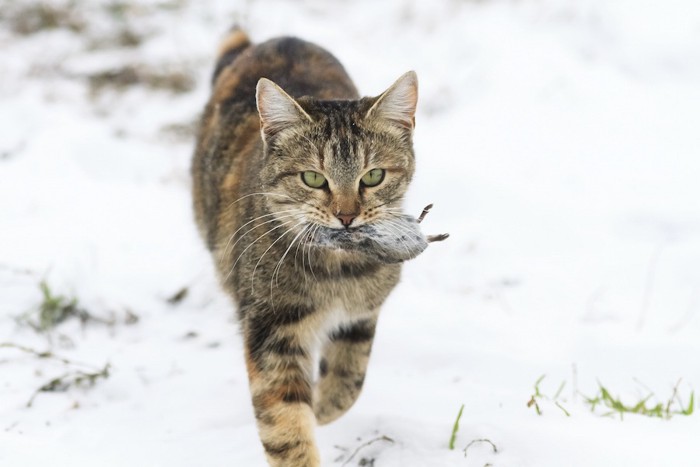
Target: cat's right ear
(277,109)
(398,103)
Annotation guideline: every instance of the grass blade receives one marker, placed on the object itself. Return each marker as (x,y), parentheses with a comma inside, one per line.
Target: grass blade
(455,428)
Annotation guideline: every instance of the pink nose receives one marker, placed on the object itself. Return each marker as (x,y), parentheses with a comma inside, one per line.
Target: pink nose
(346,219)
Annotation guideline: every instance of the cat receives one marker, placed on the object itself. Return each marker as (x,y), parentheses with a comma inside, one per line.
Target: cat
(288,158)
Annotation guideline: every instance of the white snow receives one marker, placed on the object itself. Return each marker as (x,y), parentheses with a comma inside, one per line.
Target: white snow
(559,141)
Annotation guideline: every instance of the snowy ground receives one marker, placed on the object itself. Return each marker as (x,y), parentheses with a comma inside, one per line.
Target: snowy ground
(558,139)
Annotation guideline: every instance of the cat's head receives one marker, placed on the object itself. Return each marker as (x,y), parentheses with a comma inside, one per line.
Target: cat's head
(337,164)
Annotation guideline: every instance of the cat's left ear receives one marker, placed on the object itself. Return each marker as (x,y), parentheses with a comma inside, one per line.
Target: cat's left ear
(398,103)
(277,109)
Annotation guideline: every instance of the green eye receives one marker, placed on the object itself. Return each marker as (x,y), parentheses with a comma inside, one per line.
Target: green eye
(313,179)
(374,177)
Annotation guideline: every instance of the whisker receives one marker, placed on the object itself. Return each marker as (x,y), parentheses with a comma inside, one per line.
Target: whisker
(307,246)
(308,252)
(247,223)
(303,260)
(399,198)
(278,266)
(272,194)
(401,228)
(256,227)
(300,201)
(388,211)
(302,242)
(258,194)
(394,213)
(252,276)
(253,243)
(395,227)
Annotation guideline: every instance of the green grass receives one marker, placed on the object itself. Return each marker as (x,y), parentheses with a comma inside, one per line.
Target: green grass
(76,378)
(455,428)
(538,397)
(603,402)
(646,406)
(54,309)
(86,377)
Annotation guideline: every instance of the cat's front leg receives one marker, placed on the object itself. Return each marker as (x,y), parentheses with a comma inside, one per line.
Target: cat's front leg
(342,369)
(279,371)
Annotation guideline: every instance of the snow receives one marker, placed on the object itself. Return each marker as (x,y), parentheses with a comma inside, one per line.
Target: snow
(558,141)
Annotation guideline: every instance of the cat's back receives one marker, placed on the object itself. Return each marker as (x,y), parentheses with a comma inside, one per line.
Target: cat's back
(301,68)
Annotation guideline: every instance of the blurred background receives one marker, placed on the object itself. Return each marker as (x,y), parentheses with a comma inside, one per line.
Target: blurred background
(558,139)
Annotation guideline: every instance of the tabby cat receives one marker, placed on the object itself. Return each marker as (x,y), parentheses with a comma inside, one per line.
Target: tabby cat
(281,173)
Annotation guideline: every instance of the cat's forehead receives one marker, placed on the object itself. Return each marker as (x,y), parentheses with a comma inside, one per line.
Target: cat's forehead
(335,119)
(342,136)
(343,156)
(318,108)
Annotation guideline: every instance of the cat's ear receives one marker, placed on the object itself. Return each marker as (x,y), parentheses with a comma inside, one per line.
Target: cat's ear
(277,109)
(398,103)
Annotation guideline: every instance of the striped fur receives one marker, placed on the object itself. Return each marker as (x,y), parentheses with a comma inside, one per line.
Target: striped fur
(260,222)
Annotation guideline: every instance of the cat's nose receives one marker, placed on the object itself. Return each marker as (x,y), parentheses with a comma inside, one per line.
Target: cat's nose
(346,219)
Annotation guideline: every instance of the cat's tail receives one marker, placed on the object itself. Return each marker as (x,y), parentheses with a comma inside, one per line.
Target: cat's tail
(235,42)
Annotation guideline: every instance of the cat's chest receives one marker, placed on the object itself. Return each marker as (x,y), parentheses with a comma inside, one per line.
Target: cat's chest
(339,313)
(357,293)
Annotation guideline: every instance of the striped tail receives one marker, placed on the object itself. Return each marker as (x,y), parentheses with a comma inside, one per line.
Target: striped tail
(235,42)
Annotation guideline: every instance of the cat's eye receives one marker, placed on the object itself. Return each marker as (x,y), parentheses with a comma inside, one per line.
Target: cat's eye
(373,178)
(313,179)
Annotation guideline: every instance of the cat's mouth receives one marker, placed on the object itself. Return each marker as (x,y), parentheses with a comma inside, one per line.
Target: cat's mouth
(345,238)
(385,241)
